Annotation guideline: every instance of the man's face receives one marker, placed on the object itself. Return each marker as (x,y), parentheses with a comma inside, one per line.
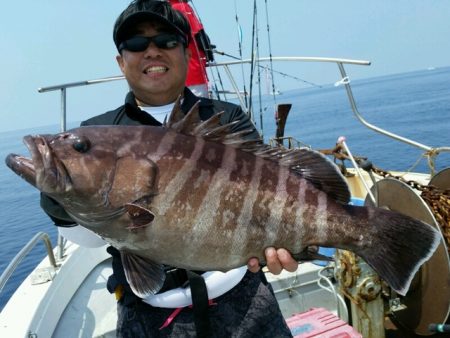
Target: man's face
(156,76)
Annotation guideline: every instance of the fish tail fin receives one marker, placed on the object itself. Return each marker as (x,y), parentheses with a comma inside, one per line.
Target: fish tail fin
(398,247)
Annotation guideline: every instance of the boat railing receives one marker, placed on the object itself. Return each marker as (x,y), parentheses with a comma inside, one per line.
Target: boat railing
(63,88)
(24,252)
(288,142)
(432,151)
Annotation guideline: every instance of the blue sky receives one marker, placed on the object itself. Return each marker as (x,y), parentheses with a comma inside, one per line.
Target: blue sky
(49,42)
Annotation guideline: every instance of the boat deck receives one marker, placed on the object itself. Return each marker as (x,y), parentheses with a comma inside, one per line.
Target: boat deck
(76,302)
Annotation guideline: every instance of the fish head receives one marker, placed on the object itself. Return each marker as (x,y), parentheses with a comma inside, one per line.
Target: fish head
(90,171)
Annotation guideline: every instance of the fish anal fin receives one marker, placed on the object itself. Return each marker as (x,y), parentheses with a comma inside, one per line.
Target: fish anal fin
(145,277)
(311,253)
(139,216)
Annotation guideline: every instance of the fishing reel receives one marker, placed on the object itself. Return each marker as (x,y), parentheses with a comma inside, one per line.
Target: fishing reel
(428,299)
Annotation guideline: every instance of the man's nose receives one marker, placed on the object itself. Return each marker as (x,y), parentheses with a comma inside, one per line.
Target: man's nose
(152,50)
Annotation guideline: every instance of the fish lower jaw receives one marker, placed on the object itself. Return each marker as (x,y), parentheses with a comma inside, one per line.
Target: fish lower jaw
(23,167)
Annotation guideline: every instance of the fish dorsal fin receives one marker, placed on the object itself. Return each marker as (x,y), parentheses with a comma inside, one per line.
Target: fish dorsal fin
(145,277)
(182,123)
(206,126)
(307,163)
(190,124)
(318,170)
(310,165)
(175,116)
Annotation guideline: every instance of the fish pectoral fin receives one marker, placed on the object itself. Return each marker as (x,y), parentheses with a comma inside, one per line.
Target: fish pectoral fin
(140,217)
(145,277)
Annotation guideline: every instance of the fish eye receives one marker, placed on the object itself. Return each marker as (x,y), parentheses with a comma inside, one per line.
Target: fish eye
(81,144)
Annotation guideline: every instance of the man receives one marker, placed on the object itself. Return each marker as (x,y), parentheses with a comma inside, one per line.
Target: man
(152,40)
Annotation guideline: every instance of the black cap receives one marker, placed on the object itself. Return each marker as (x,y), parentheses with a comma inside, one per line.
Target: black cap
(150,10)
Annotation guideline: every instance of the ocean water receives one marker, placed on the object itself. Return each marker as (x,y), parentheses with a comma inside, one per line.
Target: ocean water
(414,105)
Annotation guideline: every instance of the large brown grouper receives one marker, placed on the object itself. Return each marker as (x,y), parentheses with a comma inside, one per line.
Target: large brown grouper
(192,195)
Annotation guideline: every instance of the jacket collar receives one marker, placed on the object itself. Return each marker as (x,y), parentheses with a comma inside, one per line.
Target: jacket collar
(189,100)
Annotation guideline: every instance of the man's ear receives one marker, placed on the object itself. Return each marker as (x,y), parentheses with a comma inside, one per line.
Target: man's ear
(188,54)
(119,60)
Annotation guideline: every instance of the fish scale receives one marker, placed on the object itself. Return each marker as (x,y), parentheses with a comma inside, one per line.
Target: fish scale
(173,182)
(241,238)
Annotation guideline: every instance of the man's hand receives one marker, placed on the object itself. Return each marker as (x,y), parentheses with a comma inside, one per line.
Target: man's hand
(276,261)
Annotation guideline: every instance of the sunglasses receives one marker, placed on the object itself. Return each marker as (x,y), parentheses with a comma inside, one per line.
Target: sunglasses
(141,43)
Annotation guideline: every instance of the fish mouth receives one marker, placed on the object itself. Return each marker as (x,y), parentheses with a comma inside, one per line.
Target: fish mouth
(43,170)
(23,167)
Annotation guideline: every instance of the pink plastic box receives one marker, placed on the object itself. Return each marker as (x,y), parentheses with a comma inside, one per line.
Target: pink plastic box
(319,322)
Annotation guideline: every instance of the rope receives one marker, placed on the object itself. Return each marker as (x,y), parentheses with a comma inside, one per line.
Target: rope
(439,203)
(437,199)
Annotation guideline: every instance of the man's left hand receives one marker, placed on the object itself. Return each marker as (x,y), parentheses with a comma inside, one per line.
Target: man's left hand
(276,261)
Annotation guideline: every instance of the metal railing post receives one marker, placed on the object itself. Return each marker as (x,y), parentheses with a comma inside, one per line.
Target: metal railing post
(63,108)
(22,253)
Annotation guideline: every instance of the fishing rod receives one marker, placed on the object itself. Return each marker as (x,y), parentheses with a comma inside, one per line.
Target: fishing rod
(239,32)
(252,63)
(270,54)
(258,69)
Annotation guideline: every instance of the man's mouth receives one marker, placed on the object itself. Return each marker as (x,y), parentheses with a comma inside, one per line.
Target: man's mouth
(156,70)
